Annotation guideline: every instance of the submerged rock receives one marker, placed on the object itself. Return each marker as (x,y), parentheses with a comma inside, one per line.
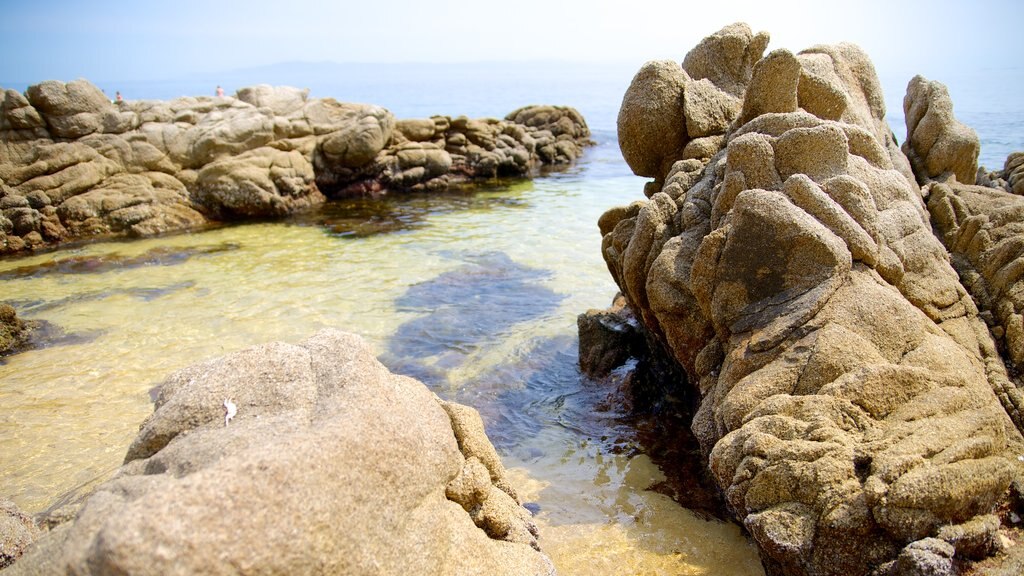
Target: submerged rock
(73,164)
(331,464)
(14,332)
(849,394)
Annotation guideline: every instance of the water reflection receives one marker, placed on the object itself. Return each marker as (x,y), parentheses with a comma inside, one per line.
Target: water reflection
(355,218)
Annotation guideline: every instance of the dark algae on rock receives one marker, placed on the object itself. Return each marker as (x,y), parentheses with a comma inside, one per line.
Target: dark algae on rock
(852,405)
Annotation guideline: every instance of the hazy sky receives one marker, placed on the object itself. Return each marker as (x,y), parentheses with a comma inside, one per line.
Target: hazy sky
(141,40)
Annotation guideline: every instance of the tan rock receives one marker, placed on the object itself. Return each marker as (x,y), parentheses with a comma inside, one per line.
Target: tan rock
(260,182)
(651,123)
(937,144)
(727,58)
(852,400)
(332,464)
(709,110)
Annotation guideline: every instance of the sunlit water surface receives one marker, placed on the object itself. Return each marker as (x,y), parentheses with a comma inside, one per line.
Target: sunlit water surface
(474,293)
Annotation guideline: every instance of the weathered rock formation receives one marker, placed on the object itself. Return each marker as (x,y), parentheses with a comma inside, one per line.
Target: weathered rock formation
(331,465)
(981,225)
(1010,178)
(13,330)
(849,392)
(73,164)
(17,532)
(938,145)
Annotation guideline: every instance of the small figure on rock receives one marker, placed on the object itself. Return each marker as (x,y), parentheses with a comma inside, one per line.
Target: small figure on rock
(118,98)
(229,411)
(220,92)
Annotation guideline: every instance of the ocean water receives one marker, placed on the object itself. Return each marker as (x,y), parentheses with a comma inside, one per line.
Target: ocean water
(988,100)
(476,293)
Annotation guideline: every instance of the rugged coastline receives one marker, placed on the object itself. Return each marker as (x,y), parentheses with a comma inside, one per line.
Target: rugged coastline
(851,402)
(844,314)
(75,165)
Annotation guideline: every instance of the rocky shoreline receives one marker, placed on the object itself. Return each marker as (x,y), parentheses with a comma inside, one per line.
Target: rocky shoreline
(843,316)
(851,402)
(74,165)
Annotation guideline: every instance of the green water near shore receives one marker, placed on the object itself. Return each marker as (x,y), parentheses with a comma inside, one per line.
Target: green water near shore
(475,293)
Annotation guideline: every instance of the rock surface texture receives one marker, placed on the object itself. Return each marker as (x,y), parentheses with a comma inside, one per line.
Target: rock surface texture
(13,330)
(853,404)
(73,164)
(330,465)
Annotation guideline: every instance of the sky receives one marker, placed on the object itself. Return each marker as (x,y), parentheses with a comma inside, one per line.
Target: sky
(143,40)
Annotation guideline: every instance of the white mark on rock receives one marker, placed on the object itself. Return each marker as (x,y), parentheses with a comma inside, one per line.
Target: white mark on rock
(229,411)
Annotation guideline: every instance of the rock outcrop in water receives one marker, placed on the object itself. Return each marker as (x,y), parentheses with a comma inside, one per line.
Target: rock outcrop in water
(853,406)
(73,164)
(331,465)
(13,330)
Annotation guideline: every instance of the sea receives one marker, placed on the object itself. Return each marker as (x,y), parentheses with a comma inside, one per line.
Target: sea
(474,292)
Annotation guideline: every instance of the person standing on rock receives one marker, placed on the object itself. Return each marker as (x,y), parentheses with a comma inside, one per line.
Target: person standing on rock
(118,98)
(220,92)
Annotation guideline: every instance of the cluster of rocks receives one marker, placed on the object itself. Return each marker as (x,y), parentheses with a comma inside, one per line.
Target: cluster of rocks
(852,404)
(73,164)
(328,463)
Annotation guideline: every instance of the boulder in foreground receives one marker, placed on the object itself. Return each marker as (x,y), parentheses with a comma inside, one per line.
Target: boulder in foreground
(330,465)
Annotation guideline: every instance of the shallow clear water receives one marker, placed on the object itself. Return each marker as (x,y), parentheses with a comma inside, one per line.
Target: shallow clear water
(475,293)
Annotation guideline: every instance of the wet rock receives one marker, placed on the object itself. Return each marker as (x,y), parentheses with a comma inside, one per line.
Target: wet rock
(850,398)
(332,464)
(607,338)
(17,531)
(14,332)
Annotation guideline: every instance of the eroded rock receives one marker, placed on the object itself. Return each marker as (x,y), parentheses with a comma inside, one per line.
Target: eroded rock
(87,167)
(939,146)
(331,465)
(850,393)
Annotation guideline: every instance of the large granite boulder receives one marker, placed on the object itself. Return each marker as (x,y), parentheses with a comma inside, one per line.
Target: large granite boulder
(327,463)
(850,405)
(939,146)
(672,111)
(73,164)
